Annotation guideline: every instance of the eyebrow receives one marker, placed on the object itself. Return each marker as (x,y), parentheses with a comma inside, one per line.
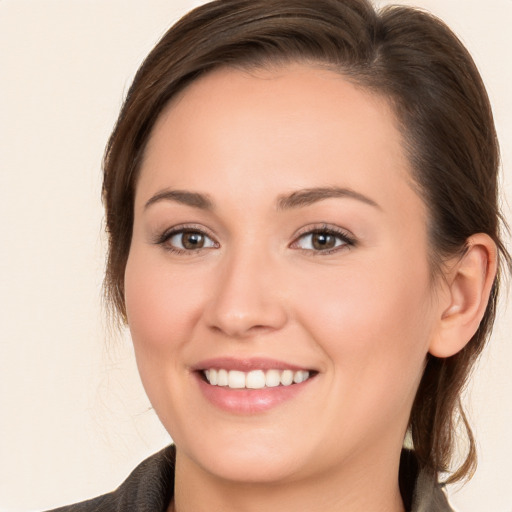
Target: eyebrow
(193,199)
(310,196)
(296,199)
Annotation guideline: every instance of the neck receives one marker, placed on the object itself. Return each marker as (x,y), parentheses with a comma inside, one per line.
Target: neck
(368,483)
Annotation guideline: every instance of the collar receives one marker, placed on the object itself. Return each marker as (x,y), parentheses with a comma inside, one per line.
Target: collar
(150,488)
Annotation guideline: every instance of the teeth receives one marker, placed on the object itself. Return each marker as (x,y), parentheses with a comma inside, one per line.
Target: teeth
(222,378)
(299,377)
(236,379)
(255,379)
(272,378)
(211,375)
(286,378)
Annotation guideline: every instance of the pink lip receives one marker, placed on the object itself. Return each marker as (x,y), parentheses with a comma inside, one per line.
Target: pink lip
(247,401)
(245,365)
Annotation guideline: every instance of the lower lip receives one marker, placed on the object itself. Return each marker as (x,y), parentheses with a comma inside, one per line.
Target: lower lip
(249,401)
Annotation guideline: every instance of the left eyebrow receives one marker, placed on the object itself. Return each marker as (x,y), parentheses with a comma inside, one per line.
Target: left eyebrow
(310,196)
(193,199)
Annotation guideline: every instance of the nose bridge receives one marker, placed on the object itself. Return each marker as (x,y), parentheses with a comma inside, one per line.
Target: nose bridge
(246,299)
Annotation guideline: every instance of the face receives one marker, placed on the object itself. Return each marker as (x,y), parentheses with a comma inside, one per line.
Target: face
(277,238)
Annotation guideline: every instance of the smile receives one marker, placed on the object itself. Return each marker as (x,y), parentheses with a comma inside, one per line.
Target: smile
(252,385)
(255,379)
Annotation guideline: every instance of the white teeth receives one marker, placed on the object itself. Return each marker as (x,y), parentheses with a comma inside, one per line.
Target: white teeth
(272,378)
(211,376)
(222,378)
(236,379)
(286,377)
(255,379)
(300,376)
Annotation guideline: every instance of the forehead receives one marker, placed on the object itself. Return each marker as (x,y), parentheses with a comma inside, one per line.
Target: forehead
(296,126)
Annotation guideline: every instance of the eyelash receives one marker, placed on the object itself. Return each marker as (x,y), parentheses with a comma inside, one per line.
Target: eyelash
(327,230)
(164,238)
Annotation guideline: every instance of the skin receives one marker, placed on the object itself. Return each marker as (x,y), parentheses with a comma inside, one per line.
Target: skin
(363,315)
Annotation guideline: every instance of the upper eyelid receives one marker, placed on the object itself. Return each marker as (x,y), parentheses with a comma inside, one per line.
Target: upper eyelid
(189,227)
(306,230)
(348,239)
(166,234)
(328,228)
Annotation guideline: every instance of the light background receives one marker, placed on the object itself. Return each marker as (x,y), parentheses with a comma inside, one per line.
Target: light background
(74,420)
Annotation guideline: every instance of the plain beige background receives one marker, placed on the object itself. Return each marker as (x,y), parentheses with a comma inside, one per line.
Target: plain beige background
(73,416)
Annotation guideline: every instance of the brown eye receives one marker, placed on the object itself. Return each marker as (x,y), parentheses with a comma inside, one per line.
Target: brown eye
(322,241)
(325,240)
(188,240)
(192,240)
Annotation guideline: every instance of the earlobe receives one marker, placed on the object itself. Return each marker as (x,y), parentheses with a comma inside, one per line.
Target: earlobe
(469,284)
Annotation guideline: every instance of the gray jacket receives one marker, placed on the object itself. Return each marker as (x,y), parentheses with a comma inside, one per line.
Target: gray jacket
(150,488)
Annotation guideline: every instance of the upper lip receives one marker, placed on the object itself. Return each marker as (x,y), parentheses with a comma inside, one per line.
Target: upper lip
(245,364)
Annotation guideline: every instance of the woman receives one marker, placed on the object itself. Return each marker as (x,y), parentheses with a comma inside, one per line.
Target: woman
(290,328)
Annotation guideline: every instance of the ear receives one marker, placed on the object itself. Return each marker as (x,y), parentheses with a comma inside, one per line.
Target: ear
(469,282)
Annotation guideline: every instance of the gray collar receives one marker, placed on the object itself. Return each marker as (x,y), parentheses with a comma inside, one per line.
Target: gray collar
(420,489)
(150,488)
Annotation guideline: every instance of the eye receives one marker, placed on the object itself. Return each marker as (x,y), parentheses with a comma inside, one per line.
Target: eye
(186,240)
(324,240)
(190,240)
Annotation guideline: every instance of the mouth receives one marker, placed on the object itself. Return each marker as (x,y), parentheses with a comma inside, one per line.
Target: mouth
(251,386)
(255,379)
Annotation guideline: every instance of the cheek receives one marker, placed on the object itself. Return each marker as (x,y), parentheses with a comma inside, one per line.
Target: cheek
(162,308)
(162,303)
(374,323)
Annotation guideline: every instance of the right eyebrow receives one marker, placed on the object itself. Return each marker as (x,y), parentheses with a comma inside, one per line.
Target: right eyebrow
(193,199)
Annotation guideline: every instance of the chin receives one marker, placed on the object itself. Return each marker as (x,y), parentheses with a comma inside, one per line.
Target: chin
(252,469)
(260,460)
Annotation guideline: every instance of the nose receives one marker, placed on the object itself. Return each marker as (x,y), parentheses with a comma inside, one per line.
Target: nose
(247,298)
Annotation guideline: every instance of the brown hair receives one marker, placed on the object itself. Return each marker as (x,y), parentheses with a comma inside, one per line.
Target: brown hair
(404,54)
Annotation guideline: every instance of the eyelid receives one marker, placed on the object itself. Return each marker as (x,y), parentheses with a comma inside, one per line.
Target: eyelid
(346,236)
(167,234)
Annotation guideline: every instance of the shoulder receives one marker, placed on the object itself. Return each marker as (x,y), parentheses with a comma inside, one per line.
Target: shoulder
(149,487)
